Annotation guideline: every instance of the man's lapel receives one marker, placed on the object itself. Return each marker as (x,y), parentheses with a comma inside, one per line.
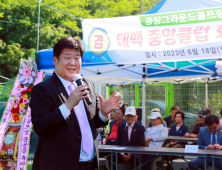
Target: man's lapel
(208,136)
(133,132)
(219,135)
(62,94)
(84,101)
(125,134)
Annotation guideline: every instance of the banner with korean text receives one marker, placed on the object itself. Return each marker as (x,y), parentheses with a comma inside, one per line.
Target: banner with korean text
(177,36)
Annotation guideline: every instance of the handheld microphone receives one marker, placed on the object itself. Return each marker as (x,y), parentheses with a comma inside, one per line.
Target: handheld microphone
(78,79)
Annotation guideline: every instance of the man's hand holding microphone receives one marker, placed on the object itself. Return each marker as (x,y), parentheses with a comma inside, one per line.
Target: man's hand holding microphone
(106,106)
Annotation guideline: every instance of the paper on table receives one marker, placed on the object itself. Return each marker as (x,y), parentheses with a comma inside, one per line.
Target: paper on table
(191,148)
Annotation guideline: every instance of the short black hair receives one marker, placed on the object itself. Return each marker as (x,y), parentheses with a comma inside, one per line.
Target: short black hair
(181,113)
(211,119)
(175,108)
(67,42)
(122,109)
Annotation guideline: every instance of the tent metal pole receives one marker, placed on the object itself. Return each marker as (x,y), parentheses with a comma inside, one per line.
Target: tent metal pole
(37,49)
(143,105)
(144,97)
(206,94)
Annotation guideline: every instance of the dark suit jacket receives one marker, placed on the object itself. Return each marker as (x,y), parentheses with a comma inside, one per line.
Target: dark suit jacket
(181,131)
(204,138)
(59,139)
(136,138)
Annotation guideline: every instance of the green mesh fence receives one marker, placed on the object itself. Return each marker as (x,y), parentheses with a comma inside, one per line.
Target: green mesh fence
(155,98)
(189,97)
(215,98)
(127,92)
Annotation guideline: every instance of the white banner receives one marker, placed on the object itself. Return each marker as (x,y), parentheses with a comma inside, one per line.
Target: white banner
(178,36)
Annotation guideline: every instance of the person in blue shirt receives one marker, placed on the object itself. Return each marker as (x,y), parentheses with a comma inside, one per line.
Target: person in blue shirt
(179,129)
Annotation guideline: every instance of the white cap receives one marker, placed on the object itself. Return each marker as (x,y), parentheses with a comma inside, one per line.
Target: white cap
(130,111)
(77,77)
(155,110)
(155,115)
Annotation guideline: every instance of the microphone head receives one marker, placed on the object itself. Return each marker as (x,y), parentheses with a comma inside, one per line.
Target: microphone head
(77,77)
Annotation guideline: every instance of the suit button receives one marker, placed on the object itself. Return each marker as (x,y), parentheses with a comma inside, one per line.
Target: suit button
(79,137)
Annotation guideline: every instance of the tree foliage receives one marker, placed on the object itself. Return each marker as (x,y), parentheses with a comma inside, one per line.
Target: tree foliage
(19,18)
(214,103)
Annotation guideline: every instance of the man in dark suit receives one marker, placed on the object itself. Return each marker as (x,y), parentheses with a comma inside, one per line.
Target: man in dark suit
(65,123)
(210,138)
(130,134)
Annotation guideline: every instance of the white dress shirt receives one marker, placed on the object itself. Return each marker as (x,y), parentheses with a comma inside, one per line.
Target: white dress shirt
(158,133)
(65,112)
(131,126)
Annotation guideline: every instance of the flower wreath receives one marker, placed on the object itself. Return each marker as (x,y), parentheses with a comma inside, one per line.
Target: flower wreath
(27,75)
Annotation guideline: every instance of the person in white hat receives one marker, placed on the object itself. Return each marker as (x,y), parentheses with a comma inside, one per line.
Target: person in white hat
(155,136)
(129,134)
(162,121)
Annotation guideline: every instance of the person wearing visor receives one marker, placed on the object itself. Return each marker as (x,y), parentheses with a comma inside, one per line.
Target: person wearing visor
(200,124)
(129,134)
(154,136)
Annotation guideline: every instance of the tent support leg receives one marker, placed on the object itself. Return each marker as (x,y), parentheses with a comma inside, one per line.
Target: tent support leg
(206,94)
(143,104)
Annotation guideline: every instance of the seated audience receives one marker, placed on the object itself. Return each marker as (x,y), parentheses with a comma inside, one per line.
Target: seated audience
(107,128)
(196,129)
(207,109)
(170,119)
(112,116)
(129,134)
(136,118)
(210,137)
(154,136)
(118,119)
(179,129)
(162,121)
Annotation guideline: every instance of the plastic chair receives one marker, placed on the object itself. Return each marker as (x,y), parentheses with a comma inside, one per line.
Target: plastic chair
(153,165)
(103,163)
(179,163)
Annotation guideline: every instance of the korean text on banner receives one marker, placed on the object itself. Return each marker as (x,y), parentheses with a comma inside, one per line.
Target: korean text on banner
(178,36)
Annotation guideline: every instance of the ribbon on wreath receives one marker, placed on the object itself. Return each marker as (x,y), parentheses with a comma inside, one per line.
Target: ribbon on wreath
(6,117)
(25,133)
